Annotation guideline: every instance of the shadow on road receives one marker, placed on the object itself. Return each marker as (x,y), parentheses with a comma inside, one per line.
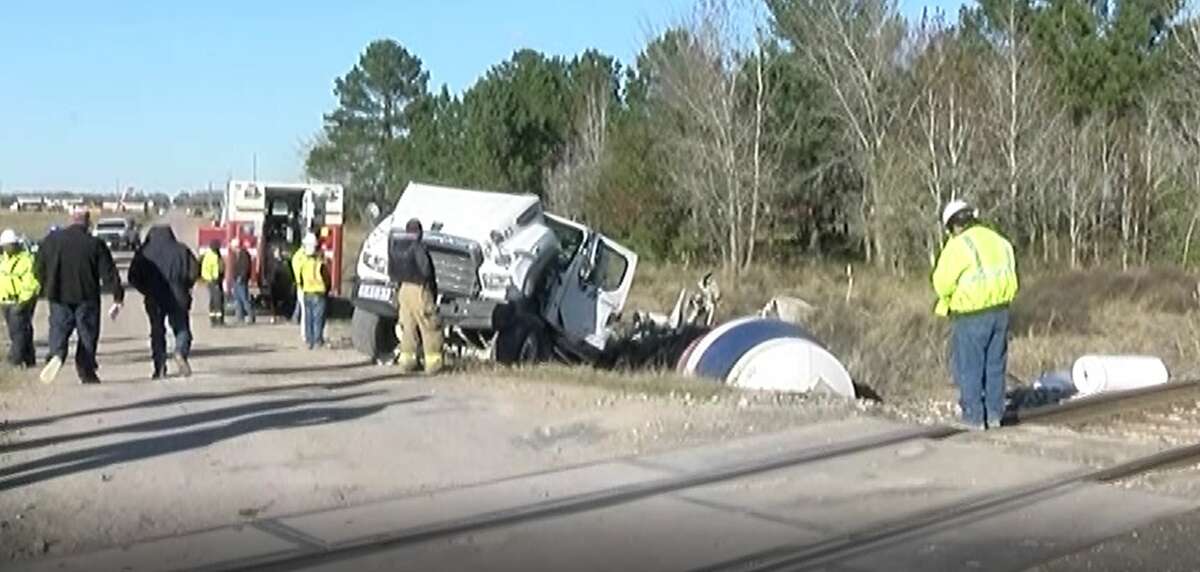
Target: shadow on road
(305,369)
(189,420)
(201,397)
(197,352)
(93,458)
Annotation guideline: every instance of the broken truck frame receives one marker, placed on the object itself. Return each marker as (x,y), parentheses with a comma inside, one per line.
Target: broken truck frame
(515,283)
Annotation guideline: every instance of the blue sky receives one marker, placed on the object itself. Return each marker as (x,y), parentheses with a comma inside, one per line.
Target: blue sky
(166,95)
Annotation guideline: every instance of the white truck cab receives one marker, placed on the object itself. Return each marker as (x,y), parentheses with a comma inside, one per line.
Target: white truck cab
(512,280)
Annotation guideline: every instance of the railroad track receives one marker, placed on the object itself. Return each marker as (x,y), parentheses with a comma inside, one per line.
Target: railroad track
(799,556)
(816,556)
(1086,409)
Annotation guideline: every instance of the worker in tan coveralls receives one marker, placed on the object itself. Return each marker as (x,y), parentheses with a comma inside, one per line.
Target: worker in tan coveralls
(412,268)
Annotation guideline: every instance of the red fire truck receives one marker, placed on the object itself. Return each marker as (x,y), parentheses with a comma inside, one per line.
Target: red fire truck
(263,216)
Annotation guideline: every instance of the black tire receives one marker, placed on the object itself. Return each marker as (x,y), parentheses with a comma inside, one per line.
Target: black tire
(373,335)
(524,342)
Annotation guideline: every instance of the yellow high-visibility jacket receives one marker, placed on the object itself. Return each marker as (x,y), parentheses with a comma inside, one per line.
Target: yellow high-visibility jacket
(18,283)
(210,267)
(309,271)
(297,261)
(976,271)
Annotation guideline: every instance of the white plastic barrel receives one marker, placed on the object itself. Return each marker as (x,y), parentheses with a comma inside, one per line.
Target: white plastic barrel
(1098,374)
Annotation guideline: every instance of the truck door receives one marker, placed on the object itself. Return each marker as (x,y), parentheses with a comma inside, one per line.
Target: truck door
(592,289)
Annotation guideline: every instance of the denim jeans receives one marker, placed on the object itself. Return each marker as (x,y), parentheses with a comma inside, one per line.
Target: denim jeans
(84,319)
(181,327)
(314,319)
(19,318)
(979,352)
(243,308)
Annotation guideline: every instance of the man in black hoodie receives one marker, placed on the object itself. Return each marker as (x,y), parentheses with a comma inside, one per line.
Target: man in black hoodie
(164,271)
(72,265)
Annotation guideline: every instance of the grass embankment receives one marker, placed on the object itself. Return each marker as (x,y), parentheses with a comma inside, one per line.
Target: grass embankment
(884,330)
(886,334)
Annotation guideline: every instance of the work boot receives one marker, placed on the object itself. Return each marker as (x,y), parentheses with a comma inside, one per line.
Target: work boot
(160,371)
(88,378)
(182,367)
(50,372)
(407,362)
(433,363)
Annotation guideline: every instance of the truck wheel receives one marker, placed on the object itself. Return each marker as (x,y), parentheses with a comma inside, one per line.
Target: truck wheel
(373,335)
(523,343)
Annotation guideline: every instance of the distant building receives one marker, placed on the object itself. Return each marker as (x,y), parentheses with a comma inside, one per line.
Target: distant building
(132,207)
(29,204)
(64,205)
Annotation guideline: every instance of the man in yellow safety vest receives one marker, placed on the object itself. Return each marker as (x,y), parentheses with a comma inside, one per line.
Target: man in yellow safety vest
(975,281)
(212,272)
(312,279)
(18,297)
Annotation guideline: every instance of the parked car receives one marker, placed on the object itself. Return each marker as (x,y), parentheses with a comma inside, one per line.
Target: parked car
(118,233)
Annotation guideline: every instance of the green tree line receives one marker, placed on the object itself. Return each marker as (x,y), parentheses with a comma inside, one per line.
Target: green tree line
(752,132)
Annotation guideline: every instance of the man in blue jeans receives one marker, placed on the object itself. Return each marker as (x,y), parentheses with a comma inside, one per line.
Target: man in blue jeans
(975,281)
(312,281)
(164,270)
(243,307)
(73,267)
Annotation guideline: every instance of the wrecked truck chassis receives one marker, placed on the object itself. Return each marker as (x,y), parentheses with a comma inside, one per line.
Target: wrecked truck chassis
(480,329)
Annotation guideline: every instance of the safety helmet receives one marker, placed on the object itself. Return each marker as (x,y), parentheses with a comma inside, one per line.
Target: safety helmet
(955,207)
(9,237)
(310,239)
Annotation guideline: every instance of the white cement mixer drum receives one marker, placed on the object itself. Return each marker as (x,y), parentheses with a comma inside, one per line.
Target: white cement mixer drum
(794,365)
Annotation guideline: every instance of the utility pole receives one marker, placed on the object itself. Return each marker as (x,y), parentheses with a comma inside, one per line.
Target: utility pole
(254,168)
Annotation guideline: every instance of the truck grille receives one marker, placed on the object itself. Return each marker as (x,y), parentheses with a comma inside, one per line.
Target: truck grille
(456,264)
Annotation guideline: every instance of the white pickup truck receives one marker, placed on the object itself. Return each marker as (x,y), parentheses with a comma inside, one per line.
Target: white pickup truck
(514,283)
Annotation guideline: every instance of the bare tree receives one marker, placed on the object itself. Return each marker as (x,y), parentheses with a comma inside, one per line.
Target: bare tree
(577,173)
(944,124)
(713,98)
(853,47)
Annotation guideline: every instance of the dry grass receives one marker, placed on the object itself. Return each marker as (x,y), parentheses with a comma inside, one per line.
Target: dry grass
(891,342)
(31,224)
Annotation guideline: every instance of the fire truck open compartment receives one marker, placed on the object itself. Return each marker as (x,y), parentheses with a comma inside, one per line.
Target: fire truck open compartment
(283,223)
(264,216)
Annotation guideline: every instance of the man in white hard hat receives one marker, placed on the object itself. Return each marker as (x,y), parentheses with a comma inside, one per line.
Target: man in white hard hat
(18,297)
(312,281)
(975,281)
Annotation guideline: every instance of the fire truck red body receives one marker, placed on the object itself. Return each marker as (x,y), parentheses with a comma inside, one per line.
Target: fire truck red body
(263,216)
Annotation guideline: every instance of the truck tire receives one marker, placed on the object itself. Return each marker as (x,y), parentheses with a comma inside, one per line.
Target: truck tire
(373,335)
(524,342)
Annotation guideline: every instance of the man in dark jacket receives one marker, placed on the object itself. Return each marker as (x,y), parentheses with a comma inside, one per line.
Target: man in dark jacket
(72,265)
(243,307)
(412,268)
(164,271)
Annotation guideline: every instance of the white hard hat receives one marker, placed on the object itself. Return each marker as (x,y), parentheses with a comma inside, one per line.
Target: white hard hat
(310,239)
(954,207)
(9,237)
(234,243)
